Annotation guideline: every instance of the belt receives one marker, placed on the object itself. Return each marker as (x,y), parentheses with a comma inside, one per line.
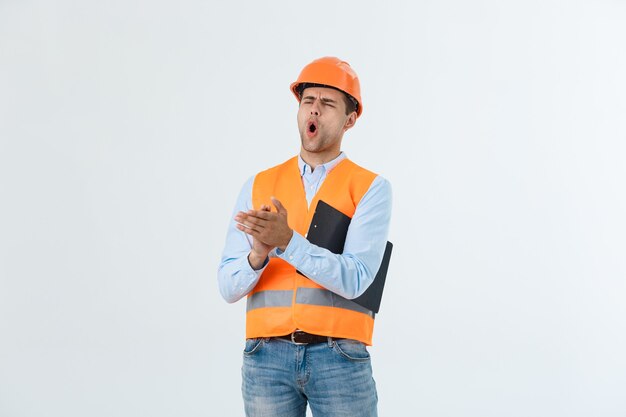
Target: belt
(299,337)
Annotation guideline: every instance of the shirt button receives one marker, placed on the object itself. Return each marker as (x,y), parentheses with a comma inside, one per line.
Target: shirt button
(291,257)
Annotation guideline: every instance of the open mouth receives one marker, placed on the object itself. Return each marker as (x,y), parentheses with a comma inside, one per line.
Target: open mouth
(311,128)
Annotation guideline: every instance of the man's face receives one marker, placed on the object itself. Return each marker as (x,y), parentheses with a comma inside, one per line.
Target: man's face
(322,120)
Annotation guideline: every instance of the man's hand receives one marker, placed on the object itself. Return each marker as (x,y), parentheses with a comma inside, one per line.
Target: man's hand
(259,252)
(270,229)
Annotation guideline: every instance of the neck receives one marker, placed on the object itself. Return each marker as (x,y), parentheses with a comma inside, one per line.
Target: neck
(315,159)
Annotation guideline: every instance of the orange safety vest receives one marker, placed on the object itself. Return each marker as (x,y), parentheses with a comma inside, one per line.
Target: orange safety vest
(284,300)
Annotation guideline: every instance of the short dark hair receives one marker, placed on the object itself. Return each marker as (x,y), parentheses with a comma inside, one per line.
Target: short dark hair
(352,104)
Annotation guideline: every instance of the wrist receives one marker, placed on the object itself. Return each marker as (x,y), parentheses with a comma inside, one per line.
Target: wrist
(284,247)
(256,261)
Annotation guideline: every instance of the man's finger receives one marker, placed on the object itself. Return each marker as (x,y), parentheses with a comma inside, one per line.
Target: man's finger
(243,228)
(253,231)
(248,221)
(252,223)
(279,206)
(264,215)
(242,224)
(251,215)
(256,220)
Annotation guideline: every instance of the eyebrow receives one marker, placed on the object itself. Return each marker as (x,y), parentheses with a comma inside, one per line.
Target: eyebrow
(324,99)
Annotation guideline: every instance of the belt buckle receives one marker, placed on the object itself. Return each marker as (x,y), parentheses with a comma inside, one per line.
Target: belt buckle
(293,338)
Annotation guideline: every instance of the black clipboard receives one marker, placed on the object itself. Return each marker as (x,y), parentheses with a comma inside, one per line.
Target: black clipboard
(328,229)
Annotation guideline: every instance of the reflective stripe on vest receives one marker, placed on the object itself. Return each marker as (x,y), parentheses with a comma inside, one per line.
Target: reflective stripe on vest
(309,296)
(269,298)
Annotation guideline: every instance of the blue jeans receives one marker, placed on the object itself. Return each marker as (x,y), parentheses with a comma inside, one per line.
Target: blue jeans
(280,377)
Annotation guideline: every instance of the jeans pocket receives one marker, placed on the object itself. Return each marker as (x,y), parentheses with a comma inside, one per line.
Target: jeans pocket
(252,346)
(352,350)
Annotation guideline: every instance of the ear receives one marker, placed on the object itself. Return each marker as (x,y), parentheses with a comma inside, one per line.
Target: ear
(350,121)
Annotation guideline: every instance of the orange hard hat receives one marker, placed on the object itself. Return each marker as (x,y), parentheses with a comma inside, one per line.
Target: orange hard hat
(332,72)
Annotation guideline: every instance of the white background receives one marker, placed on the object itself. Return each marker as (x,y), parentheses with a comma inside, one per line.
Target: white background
(128,127)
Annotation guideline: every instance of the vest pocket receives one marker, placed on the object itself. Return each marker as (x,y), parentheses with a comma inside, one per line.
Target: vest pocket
(352,350)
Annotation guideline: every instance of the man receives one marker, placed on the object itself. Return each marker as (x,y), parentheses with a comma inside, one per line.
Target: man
(305,339)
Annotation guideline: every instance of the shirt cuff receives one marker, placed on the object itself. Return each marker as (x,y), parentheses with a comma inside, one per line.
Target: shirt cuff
(295,250)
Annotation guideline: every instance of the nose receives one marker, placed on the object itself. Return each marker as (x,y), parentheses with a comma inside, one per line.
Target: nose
(315,111)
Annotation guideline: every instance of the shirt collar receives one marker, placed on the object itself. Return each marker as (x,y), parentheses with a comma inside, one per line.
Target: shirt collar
(328,166)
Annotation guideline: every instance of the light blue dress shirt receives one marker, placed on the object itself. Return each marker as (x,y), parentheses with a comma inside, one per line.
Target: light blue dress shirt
(347,274)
